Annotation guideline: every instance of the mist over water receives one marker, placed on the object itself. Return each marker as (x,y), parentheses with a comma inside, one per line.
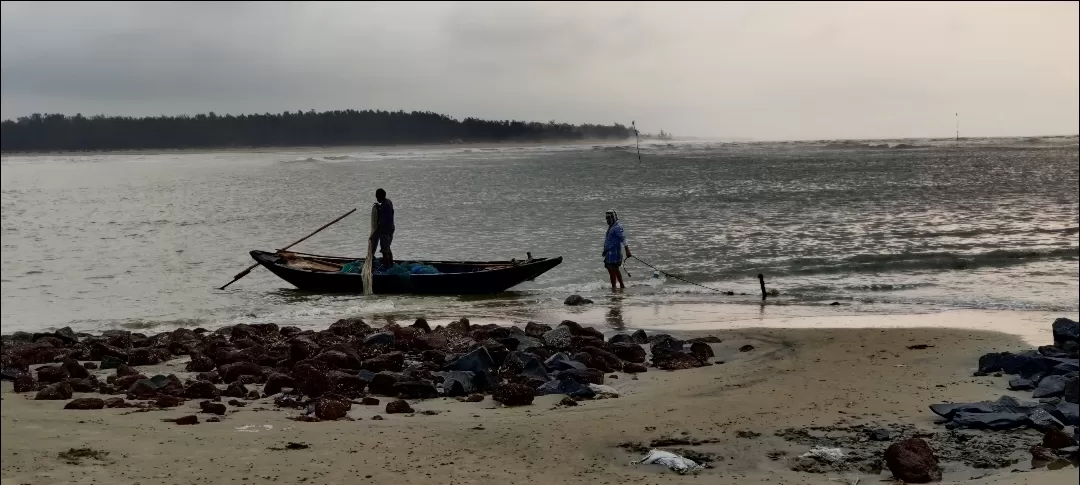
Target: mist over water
(141,240)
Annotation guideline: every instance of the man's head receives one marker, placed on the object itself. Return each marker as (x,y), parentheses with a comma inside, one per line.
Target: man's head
(380,195)
(611,217)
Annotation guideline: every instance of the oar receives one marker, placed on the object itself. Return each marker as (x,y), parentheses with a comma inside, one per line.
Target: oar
(248,270)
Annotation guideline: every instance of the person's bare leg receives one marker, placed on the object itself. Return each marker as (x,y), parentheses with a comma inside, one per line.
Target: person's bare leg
(613,274)
(618,276)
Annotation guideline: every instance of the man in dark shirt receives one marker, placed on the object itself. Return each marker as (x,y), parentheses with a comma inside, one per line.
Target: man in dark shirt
(384,228)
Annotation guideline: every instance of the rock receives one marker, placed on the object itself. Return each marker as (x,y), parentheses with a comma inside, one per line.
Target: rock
(330,409)
(575,300)
(416,390)
(202,390)
(1072,390)
(480,363)
(513,394)
(394,362)
(55,392)
(1039,453)
(634,368)
(275,382)
(701,350)
(398,406)
(116,402)
(677,360)
(474,398)
(90,366)
(558,338)
(421,324)
(1051,386)
(1042,420)
(369,401)
(82,385)
(881,434)
(384,383)
(200,363)
(993,421)
(235,389)
(211,376)
(1020,384)
(630,352)
(561,361)
(570,387)
(746,348)
(346,384)
(301,348)
(522,364)
(1069,412)
(51,373)
(85,403)
(146,357)
(123,370)
(75,369)
(1057,439)
(536,330)
(185,420)
(568,401)
(1065,330)
(212,408)
(25,383)
(252,395)
(231,372)
(385,339)
(662,345)
(67,336)
(640,337)
(913,461)
(620,338)
(605,361)
(377,418)
(167,401)
(457,383)
(110,362)
(310,380)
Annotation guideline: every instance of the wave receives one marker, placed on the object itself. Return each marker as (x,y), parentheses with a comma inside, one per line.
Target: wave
(862,263)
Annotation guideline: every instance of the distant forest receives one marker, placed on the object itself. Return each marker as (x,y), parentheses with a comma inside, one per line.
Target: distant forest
(57,132)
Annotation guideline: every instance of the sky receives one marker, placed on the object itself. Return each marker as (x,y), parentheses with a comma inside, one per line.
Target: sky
(762,70)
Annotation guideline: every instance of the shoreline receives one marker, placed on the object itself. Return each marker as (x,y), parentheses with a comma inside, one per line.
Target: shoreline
(793,378)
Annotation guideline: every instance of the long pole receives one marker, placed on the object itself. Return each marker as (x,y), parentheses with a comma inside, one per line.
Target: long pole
(248,270)
(637,141)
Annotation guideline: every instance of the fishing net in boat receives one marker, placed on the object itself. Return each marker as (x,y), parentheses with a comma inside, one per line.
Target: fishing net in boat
(399,269)
(366,271)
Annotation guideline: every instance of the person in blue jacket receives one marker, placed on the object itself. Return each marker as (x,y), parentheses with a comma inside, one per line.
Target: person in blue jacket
(615,249)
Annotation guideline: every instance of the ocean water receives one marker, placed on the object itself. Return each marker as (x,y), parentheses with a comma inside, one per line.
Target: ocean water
(142,240)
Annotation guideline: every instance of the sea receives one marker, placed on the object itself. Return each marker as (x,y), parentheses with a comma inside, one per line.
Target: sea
(142,240)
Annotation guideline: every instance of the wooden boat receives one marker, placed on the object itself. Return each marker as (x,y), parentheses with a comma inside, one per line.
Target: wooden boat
(323,274)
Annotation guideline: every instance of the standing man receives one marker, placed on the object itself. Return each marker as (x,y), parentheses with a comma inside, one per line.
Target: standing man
(384,228)
(614,245)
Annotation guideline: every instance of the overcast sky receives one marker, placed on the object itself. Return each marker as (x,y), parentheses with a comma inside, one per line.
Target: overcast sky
(760,70)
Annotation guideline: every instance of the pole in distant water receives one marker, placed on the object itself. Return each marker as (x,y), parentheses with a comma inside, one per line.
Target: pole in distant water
(637,141)
(761,279)
(958,127)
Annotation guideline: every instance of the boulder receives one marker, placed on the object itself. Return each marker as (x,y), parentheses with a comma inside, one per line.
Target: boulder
(480,363)
(606,361)
(993,421)
(1065,330)
(677,361)
(457,383)
(587,376)
(236,390)
(202,390)
(75,369)
(421,324)
(398,406)
(569,387)
(384,383)
(393,361)
(513,394)
(85,403)
(83,385)
(1072,390)
(146,357)
(310,380)
(231,372)
(524,365)
(746,348)
(640,337)
(702,350)
(185,420)
(200,363)
(212,408)
(629,351)
(1020,384)
(1069,413)
(558,338)
(125,382)
(116,402)
(621,338)
(561,361)
(536,330)
(1042,454)
(211,376)
(275,382)
(345,384)
(55,392)
(49,374)
(1042,420)
(575,300)
(330,409)
(348,327)
(67,336)
(474,398)
(301,348)
(25,383)
(416,390)
(369,401)
(1056,439)
(1052,386)
(634,368)
(913,461)
(167,401)
(385,339)
(124,370)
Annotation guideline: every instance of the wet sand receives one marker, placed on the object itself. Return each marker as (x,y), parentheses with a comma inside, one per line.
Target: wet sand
(792,378)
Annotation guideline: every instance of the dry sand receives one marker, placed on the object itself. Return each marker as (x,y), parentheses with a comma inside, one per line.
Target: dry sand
(793,377)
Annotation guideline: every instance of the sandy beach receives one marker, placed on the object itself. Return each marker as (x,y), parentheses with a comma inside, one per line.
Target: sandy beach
(793,378)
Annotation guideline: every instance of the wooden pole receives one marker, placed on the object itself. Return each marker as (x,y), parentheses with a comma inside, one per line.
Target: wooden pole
(248,270)
(761,279)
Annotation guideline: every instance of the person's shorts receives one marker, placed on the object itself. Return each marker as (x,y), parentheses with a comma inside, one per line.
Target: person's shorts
(382,241)
(615,265)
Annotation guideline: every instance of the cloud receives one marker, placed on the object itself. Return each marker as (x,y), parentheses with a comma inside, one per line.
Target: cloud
(765,70)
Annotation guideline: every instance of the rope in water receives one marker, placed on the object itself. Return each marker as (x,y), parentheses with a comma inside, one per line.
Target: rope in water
(669,275)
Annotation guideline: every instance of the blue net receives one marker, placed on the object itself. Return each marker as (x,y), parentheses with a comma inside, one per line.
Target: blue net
(399,269)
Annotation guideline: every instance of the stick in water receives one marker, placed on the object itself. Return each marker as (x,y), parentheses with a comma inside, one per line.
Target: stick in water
(761,278)
(248,270)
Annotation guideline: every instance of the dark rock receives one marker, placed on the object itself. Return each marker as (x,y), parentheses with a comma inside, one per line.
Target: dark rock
(1042,420)
(200,363)
(49,374)
(993,421)
(640,337)
(457,383)
(116,402)
(184,420)
(587,376)
(231,372)
(393,361)
(147,356)
(25,383)
(568,401)
(385,339)
(480,363)
(416,390)
(606,361)
(398,406)
(474,398)
(349,327)
(746,348)
(621,338)
(384,383)
(1069,413)
(85,403)
(1057,439)
(575,300)
(55,392)
(585,359)
(629,352)
(662,345)
(202,390)
(330,409)
(83,385)
(124,370)
(702,350)
(235,389)
(513,394)
(496,351)
(100,350)
(67,336)
(536,330)
(75,369)
(1072,390)
(421,324)
(569,387)
(369,401)
(1052,386)
(677,361)
(559,338)
(211,376)
(275,382)
(110,362)
(1020,384)
(377,418)
(523,364)
(90,366)
(912,461)
(881,434)
(561,361)
(126,382)
(302,348)
(1065,330)
(634,368)
(212,408)
(167,401)
(346,384)
(252,395)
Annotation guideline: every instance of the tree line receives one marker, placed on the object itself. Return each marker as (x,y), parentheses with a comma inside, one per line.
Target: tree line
(57,132)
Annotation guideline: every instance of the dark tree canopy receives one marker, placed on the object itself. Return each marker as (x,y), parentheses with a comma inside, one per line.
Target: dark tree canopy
(57,132)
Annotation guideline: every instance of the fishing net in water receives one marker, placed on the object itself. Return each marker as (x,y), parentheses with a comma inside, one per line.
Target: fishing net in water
(399,269)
